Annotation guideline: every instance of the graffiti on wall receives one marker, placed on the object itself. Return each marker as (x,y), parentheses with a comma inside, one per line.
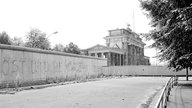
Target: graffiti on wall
(11,66)
(18,65)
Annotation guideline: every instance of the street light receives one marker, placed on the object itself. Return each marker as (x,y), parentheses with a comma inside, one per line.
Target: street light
(52,34)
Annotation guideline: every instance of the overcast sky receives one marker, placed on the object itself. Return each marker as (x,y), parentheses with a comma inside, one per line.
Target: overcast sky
(83,22)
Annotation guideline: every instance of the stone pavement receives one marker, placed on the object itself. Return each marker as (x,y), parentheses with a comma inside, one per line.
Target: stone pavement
(181,95)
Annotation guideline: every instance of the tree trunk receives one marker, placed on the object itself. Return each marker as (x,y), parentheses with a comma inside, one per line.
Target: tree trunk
(187,74)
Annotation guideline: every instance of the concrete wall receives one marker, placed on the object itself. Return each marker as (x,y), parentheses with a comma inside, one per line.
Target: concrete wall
(20,66)
(141,70)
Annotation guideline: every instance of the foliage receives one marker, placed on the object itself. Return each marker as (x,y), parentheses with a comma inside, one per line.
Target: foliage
(37,39)
(17,41)
(4,38)
(58,47)
(172,20)
(72,48)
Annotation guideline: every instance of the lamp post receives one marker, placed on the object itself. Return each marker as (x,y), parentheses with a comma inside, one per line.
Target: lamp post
(52,34)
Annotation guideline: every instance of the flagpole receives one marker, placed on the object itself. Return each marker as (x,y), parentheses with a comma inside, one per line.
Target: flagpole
(133,17)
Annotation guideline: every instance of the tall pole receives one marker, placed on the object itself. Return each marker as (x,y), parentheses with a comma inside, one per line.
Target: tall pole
(133,21)
(156,55)
(187,74)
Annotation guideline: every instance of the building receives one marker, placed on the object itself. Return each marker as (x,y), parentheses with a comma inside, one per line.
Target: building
(123,47)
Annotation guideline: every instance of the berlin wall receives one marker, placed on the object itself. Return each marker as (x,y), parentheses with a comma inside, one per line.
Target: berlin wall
(21,66)
(142,70)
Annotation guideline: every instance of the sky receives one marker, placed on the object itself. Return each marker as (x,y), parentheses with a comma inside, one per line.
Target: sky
(83,22)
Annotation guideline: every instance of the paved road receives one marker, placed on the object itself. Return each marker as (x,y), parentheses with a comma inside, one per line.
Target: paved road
(112,93)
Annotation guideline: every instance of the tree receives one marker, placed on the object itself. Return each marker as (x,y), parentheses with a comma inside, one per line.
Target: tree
(37,39)
(59,47)
(72,48)
(172,22)
(4,38)
(17,41)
